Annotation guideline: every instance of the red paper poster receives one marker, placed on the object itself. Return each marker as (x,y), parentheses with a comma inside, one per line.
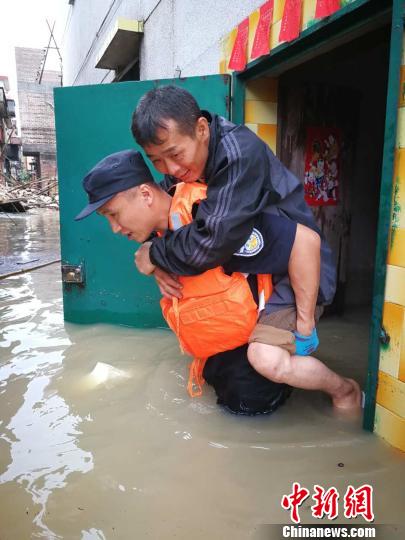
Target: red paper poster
(291,22)
(324,8)
(261,43)
(322,166)
(239,52)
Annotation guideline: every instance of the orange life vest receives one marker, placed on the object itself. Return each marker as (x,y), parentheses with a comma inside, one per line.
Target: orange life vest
(217,312)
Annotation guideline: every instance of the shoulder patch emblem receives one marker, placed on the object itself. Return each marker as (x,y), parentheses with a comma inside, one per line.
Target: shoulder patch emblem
(253,246)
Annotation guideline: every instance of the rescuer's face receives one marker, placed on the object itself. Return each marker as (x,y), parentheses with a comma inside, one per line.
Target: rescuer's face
(179,155)
(130,213)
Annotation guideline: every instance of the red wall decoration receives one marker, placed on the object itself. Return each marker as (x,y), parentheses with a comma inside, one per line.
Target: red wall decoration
(291,21)
(322,166)
(261,43)
(238,58)
(324,8)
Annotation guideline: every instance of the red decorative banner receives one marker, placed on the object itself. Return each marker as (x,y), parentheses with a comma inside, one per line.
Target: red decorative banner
(322,166)
(291,22)
(239,52)
(324,8)
(261,43)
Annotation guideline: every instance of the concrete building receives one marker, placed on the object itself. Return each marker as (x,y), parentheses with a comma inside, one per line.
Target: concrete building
(175,38)
(36,110)
(9,142)
(317,77)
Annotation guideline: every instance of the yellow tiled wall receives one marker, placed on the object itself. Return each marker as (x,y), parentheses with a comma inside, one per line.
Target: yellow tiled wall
(261,117)
(390,408)
(261,109)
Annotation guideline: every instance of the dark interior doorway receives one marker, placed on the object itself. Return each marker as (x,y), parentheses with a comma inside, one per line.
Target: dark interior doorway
(344,89)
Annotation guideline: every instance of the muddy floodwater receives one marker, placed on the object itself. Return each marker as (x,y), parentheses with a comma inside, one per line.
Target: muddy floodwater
(99,439)
(28,240)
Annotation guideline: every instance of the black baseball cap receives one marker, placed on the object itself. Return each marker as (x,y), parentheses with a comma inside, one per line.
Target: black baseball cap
(113,174)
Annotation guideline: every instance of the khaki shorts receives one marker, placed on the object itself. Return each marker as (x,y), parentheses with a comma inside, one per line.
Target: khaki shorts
(277,328)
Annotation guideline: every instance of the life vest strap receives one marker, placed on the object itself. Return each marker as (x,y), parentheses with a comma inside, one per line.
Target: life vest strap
(175,303)
(196,379)
(265,288)
(196,368)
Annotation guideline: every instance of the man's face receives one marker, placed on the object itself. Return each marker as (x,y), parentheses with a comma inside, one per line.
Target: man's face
(130,213)
(179,155)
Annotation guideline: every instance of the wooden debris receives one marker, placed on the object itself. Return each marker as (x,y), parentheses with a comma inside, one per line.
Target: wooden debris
(19,197)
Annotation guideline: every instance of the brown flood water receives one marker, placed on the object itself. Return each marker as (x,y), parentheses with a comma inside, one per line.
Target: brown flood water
(99,439)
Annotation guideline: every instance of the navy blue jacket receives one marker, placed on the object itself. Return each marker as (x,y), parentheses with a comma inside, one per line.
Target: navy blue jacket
(244,179)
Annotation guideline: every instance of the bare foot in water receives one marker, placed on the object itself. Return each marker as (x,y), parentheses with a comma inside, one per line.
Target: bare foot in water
(350,397)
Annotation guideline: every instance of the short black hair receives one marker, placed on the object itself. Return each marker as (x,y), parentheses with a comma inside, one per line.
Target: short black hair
(160,104)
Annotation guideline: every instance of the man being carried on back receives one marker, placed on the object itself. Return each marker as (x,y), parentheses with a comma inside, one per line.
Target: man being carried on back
(122,189)
(245,182)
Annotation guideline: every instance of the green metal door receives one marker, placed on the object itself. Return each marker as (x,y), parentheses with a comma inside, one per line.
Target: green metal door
(91,122)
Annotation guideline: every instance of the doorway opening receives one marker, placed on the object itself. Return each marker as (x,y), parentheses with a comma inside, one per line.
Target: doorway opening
(330,131)
(331,117)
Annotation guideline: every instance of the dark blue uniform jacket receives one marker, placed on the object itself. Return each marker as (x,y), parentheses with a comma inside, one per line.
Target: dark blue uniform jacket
(246,182)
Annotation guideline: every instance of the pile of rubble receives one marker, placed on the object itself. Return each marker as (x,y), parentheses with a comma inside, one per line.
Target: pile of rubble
(38,193)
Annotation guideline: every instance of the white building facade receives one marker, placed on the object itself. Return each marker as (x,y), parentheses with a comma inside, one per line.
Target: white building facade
(177,38)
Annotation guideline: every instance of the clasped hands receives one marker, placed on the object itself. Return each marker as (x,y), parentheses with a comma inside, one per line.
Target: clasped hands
(168,284)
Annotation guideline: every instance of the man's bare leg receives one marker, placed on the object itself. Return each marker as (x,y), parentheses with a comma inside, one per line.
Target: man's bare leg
(305,372)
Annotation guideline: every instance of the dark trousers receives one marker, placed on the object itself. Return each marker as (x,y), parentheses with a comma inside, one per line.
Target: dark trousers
(240,388)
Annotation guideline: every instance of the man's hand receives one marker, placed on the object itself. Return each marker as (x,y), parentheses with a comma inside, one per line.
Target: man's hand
(142,259)
(305,345)
(305,326)
(168,284)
